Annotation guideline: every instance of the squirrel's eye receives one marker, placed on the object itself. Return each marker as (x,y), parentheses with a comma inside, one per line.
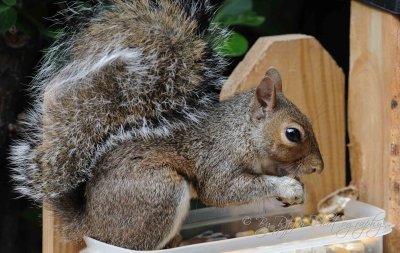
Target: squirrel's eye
(293,135)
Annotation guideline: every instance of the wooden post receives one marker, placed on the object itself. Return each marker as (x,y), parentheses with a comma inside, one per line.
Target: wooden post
(52,239)
(374,113)
(314,82)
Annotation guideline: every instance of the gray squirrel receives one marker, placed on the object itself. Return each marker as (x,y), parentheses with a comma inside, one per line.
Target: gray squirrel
(127,127)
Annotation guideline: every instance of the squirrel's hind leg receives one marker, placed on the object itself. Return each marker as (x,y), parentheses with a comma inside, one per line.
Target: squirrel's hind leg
(135,205)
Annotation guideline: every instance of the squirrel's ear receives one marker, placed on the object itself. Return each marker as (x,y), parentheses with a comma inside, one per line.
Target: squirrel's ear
(274,75)
(266,93)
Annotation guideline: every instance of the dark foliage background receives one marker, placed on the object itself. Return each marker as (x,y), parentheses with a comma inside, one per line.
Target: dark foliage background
(21,49)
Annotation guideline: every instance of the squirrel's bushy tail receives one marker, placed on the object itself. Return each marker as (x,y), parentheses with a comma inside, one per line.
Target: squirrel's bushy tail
(131,69)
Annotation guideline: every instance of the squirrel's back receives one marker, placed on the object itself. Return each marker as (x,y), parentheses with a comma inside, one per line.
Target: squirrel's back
(135,69)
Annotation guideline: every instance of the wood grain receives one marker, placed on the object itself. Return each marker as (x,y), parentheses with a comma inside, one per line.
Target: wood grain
(52,239)
(374,113)
(315,83)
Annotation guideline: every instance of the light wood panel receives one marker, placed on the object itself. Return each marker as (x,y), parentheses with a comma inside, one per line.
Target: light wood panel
(315,83)
(374,113)
(52,239)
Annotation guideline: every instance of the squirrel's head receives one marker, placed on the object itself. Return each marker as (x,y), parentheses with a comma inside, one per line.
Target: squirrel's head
(287,145)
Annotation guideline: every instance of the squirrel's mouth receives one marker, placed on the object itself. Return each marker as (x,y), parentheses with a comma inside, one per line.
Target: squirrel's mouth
(294,169)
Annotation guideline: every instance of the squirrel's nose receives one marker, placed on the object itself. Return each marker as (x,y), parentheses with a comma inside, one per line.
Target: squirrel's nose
(318,167)
(315,166)
(313,169)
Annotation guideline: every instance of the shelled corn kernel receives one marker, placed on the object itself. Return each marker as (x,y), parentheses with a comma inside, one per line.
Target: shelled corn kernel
(245,233)
(337,248)
(262,230)
(330,209)
(372,245)
(354,247)
(314,220)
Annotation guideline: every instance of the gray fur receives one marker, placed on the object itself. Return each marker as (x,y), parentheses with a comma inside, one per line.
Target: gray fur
(67,132)
(127,120)
(135,197)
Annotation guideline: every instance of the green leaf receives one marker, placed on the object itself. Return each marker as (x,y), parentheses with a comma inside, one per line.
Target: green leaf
(249,18)
(10,2)
(232,7)
(235,45)
(8,17)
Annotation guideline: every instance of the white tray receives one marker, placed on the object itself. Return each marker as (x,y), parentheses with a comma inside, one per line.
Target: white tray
(363,221)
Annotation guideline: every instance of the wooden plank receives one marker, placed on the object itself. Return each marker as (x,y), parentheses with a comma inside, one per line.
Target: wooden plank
(373,112)
(314,82)
(52,239)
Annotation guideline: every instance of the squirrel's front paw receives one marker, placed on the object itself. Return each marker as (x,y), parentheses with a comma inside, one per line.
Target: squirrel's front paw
(289,191)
